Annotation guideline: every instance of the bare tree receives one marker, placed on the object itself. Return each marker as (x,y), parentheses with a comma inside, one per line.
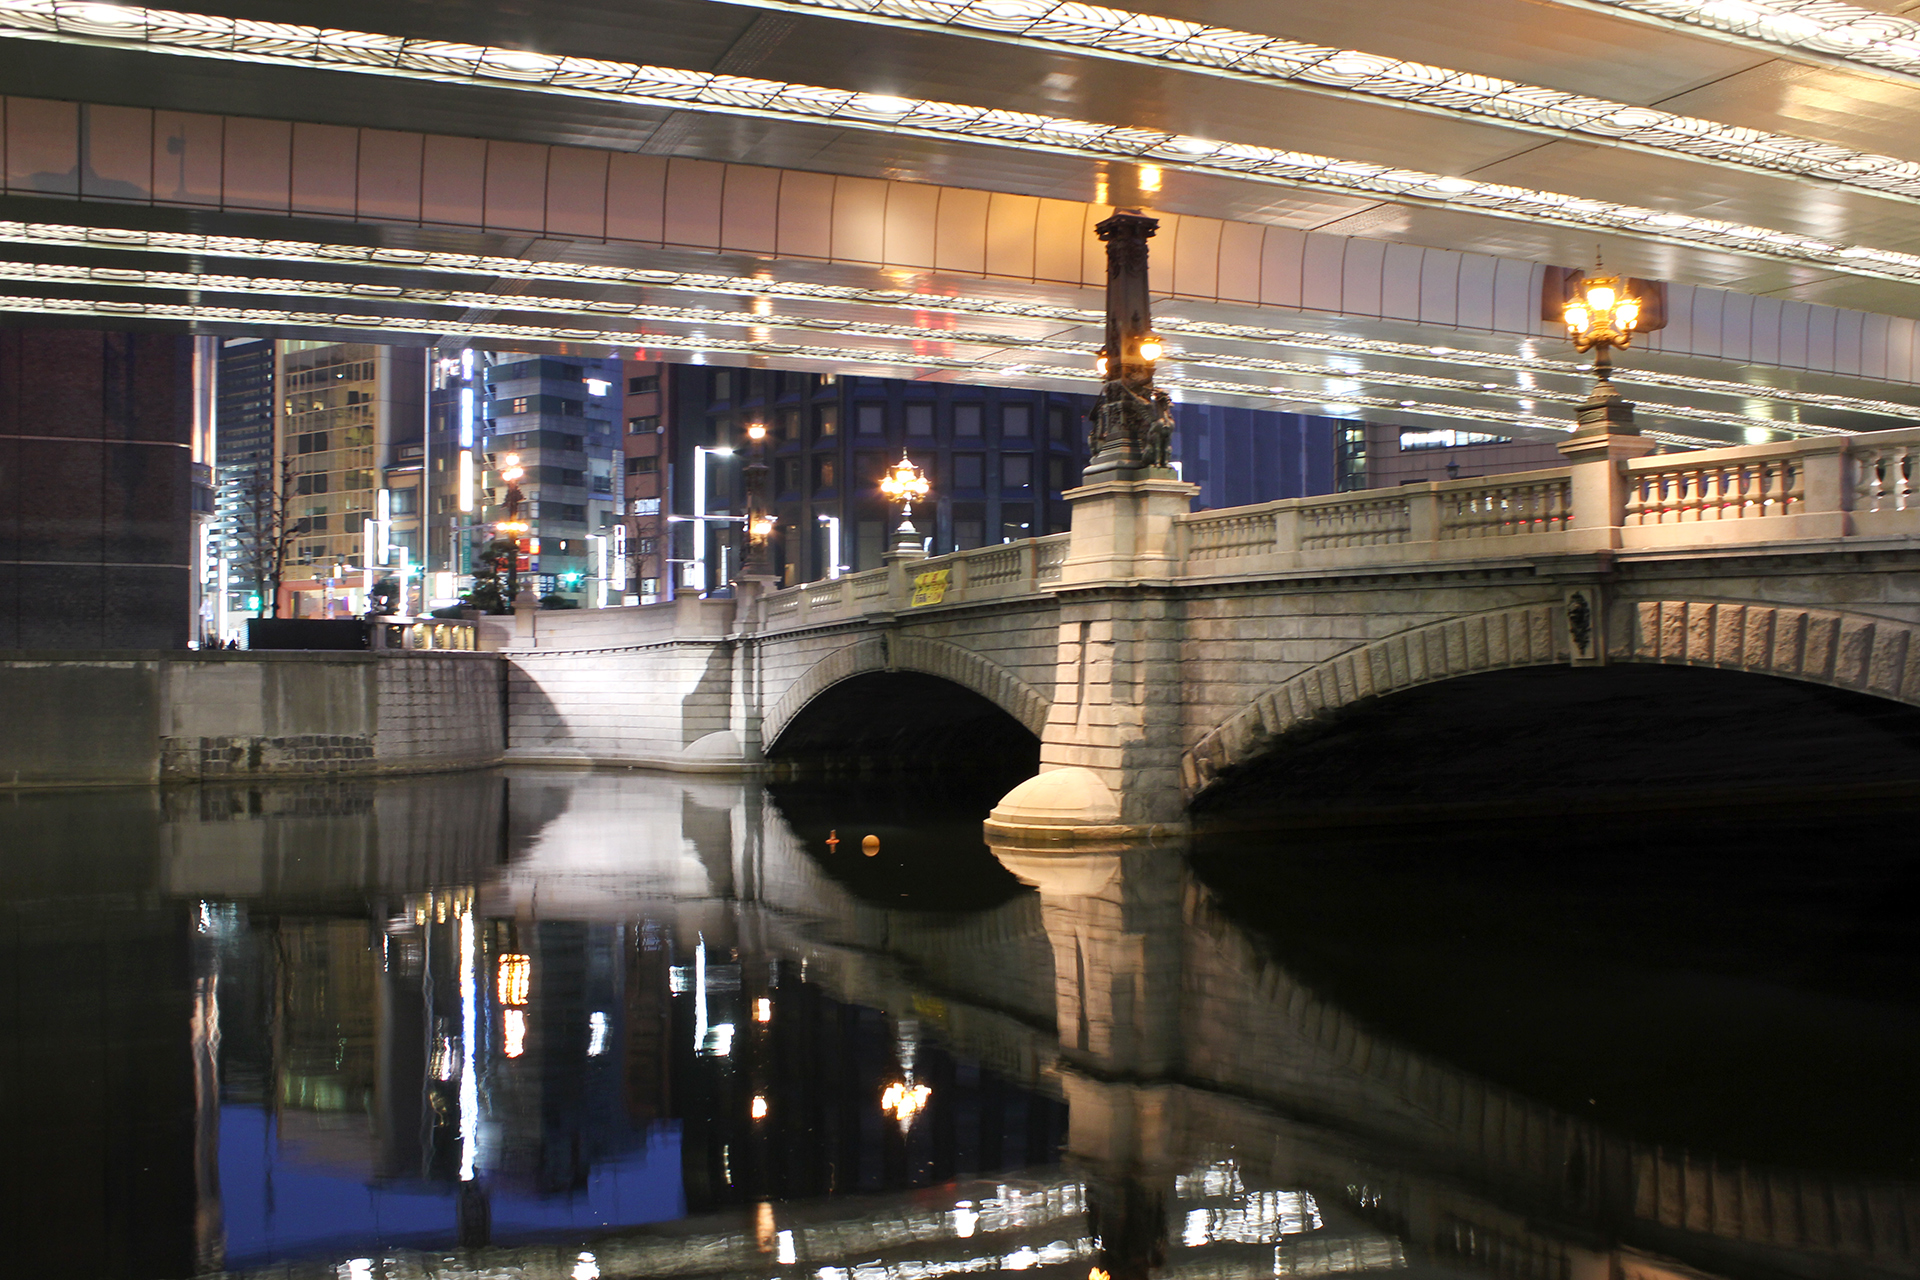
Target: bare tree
(266,530)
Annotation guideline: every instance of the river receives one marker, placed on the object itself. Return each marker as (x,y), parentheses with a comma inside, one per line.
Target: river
(583,1025)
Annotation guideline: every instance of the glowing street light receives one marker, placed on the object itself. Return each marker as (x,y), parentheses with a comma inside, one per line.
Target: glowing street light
(905,484)
(758,563)
(1600,316)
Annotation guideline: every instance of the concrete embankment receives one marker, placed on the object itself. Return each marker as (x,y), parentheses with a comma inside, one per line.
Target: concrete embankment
(130,717)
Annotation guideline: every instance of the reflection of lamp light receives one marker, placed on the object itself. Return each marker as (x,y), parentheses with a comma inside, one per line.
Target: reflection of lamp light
(515,979)
(763,1010)
(759,1107)
(513,1026)
(903,1100)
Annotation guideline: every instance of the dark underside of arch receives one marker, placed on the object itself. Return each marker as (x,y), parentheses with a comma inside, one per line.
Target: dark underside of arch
(1566,739)
(891,721)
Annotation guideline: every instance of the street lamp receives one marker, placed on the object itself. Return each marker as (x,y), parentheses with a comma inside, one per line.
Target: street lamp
(760,522)
(513,526)
(903,484)
(1600,316)
(700,516)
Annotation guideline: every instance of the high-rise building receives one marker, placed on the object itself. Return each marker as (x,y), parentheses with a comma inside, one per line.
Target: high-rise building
(349,413)
(639,541)
(557,414)
(243,370)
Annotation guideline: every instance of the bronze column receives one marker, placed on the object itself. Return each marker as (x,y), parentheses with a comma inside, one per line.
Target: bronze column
(1133,423)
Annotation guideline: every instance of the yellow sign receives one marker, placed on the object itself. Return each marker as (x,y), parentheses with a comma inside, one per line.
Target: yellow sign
(929,587)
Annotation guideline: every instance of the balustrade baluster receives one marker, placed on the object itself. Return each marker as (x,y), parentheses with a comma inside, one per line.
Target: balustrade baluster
(1636,508)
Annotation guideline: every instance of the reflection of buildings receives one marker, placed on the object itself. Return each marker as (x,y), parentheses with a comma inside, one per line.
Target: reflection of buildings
(709,1025)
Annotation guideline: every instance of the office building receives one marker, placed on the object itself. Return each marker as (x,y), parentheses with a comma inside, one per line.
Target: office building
(557,414)
(999,460)
(350,414)
(243,393)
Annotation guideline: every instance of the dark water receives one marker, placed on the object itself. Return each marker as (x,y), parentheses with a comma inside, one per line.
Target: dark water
(567,1024)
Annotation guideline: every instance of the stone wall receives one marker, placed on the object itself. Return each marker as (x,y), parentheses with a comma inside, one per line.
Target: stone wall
(133,717)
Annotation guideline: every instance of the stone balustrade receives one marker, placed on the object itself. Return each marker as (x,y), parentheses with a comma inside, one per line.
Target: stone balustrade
(1797,490)
(1012,569)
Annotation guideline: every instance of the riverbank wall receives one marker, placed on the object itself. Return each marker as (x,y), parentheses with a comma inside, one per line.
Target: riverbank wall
(135,717)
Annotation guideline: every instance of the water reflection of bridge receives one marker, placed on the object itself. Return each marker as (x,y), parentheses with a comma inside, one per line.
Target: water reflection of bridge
(1222,1118)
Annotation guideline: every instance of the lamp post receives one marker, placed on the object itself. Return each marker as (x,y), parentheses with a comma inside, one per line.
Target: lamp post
(1133,422)
(513,526)
(760,522)
(903,484)
(1600,316)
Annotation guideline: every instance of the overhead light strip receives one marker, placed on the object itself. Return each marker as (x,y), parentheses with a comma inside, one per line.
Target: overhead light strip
(445,62)
(1822,31)
(492,267)
(769,322)
(1149,40)
(200,313)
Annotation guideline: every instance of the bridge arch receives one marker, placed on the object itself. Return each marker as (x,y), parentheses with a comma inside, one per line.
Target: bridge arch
(1854,651)
(890,652)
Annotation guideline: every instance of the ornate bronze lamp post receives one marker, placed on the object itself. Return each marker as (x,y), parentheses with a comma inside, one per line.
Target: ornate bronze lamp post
(1602,315)
(905,484)
(760,522)
(513,527)
(1133,422)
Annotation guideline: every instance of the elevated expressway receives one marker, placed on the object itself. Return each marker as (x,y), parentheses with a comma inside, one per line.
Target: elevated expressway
(1356,210)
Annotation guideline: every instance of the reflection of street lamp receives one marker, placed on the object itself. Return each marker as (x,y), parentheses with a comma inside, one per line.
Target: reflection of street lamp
(1601,316)
(903,1101)
(903,484)
(760,522)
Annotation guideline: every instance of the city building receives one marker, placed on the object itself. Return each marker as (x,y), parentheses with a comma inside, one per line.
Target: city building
(639,536)
(556,413)
(243,393)
(999,460)
(351,413)
(99,440)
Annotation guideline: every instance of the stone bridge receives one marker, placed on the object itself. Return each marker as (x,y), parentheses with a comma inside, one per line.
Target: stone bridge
(1151,650)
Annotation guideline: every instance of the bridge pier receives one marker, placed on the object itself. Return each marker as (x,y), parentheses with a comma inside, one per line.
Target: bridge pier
(1110,753)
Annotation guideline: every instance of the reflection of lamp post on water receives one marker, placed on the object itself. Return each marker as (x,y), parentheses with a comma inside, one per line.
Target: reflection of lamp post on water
(904,483)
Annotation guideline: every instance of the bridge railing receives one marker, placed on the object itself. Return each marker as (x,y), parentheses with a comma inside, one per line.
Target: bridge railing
(1009,569)
(1822,488)
(1447,520)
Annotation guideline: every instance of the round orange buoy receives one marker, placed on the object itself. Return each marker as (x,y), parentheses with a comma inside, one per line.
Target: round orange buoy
(870,845)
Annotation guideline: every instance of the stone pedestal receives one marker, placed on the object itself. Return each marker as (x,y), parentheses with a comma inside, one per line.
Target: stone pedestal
(1123,530)
(1110,753)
